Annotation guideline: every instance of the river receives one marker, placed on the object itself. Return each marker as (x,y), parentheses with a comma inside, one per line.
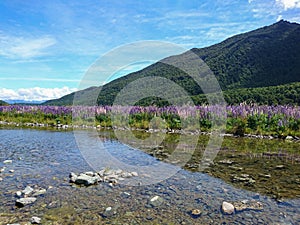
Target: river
(44,159)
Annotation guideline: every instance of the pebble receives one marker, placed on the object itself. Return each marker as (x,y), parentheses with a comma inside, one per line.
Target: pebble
(196,212)
(7,161)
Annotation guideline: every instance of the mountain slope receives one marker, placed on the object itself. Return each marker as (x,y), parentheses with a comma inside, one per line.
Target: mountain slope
(84,97)
(3,103)
(265,57)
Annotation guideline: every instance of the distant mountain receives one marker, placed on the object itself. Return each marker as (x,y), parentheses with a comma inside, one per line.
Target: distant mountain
(84,97)
(3,103)
(266,57)
(25,102)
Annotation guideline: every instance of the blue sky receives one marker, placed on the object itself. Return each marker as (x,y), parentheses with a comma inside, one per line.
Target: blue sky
(47,46)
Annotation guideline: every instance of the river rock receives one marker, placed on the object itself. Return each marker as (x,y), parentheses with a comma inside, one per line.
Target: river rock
(25,201)
(156,201)
(109,212)
(226,161)
(105,175)
(279,167)
(87,180)
(289,138)
(248,205)
(227,208)
(135,174)
(28,190)
(38,192)
(35,220)
(243,178)
(196,213)
(7,161)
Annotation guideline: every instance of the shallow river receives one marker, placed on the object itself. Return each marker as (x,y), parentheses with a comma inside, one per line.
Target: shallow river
(44,159)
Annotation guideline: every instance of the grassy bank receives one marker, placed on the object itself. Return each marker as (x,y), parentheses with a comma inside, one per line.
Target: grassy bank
(278,121)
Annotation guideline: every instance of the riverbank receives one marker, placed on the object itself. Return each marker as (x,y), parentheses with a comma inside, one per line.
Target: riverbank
(242,120)
(67,127)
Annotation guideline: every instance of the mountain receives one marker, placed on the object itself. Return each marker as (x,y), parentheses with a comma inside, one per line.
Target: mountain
(243,64)
(85,97)
(24,102)
(3,103)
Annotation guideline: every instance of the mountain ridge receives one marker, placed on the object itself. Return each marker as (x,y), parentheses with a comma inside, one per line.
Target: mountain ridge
(266,57)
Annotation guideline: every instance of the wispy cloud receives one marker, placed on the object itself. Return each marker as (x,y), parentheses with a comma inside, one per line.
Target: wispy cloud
(35,93)
(24,48)
(289,4)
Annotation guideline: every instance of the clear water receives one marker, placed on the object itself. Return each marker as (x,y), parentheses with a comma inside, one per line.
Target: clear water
(45,159)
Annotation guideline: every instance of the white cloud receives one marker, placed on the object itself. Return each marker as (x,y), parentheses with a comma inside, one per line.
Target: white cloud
(35,93)
(279,18)
(289,4)
(24,48)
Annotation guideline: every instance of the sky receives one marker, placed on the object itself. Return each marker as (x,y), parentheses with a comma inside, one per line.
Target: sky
(46,47)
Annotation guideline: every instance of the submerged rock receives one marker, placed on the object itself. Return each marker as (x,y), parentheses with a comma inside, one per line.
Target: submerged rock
(35,220)
(196,213)
(87,180)
(227,208)
(156,201)
(226,161)
(28,190)
(105,175)
(25,201)
(247,205)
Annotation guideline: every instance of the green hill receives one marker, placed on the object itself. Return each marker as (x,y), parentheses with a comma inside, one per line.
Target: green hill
(3,103)
(84,97)
(261,59)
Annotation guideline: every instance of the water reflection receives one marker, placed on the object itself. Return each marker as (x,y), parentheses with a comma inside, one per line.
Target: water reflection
(269,167)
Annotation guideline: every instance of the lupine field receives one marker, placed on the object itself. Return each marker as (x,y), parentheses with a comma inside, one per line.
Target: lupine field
(241,119)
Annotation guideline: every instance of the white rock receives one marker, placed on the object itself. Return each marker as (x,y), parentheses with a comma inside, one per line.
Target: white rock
(86,180)
(7,161)
(35,220)
(227,208)
(156,201)
(135,174)
(89,173)
(39,192)
(19,193)
(28,190)
(25,201)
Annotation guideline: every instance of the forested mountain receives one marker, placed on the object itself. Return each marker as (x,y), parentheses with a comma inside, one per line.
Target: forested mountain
(247,66)
(85,97)
(3,103)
